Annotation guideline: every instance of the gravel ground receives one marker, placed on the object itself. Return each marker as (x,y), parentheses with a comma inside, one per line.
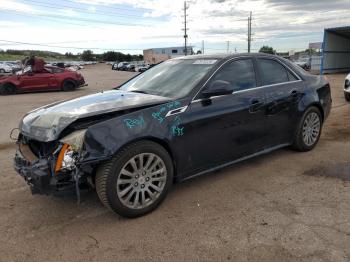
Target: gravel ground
(285,206)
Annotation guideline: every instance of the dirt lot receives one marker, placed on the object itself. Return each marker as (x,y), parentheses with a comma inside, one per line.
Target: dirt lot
(278,207)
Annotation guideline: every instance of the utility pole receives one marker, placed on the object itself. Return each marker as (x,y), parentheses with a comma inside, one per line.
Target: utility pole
(202,46)
(185,29)
(228,46)
(249,31)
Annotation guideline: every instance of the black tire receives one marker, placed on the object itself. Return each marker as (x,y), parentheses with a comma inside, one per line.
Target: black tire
(107,176)
(7,89)
(347,96)
(299,144)
(68,85)
(2,71)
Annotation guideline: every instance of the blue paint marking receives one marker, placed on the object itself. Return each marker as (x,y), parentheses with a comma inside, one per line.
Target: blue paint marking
(130,123)
(175,129)
(160,114)
(157,115)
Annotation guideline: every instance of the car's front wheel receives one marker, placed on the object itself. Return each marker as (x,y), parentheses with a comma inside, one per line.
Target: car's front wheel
(347,96)
(136,180)
(68,85)
(309,130)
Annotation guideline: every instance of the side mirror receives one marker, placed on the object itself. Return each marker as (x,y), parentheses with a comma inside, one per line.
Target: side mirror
(218,88)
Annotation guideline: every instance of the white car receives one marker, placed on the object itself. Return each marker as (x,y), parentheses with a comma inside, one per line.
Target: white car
(347,88)
(141,68)
(5,68)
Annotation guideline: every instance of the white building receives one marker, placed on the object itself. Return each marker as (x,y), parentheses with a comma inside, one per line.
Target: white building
(157,55)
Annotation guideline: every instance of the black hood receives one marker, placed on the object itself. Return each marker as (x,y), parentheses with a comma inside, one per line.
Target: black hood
(46,123)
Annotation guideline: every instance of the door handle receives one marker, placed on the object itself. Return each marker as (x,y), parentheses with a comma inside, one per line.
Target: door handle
(294,94)
(256,105)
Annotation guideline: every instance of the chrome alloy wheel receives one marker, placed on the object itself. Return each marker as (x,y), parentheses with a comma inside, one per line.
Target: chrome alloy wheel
(141,180)
(311,128)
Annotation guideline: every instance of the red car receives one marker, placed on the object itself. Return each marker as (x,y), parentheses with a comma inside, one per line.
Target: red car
(49,78)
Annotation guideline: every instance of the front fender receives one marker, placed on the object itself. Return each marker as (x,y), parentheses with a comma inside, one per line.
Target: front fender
(105,139)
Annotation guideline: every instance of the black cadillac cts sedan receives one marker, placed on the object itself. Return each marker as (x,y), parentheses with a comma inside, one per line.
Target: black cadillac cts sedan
(182,118)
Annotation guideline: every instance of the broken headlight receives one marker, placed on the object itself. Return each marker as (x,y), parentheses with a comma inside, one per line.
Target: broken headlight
(75,140)
(69,152)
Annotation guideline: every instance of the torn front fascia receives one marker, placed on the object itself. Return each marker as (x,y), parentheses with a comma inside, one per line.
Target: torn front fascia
(41,176)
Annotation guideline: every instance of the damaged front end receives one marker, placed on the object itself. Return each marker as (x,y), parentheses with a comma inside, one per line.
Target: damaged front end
(49,167)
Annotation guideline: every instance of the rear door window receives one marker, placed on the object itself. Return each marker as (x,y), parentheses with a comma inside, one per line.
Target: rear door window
(272,72)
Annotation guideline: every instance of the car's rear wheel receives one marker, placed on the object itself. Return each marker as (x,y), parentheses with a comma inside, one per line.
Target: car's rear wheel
(347,96)
(136,180)
(68,85)
(7,89)
(309,130)
(2,71)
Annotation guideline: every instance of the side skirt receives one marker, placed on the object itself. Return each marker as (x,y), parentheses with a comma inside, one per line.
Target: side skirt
(266,151)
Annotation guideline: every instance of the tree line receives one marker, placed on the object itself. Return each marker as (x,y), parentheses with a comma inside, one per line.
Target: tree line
(86,55)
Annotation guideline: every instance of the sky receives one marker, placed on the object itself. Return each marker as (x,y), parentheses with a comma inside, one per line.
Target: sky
(129,26)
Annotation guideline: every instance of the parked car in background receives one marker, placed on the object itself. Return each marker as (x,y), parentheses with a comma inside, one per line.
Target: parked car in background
(182,118)
(51,78)
(141,68)
(115,66)
(304,63)
(347,88)
(130,67)
(5,68)
(123,66)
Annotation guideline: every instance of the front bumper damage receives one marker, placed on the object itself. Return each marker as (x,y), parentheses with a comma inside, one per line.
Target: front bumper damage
(41,177)
(37,175)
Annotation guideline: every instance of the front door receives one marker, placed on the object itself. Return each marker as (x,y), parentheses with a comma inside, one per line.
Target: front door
(36,81)
(227,127)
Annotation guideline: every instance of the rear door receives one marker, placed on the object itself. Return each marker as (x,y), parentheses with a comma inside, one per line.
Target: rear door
(283,89)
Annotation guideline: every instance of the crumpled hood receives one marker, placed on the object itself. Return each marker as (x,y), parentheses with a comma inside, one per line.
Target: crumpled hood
(46,123)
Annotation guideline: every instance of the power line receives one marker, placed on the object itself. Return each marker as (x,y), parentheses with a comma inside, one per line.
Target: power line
(33,16)
(109,7)
(70,47)
(62,17)
(82,10)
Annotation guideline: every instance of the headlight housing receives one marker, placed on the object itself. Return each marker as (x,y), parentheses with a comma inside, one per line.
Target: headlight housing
(69,152)
(75,140)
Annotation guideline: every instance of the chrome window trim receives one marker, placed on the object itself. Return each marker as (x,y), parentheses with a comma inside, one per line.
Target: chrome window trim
(246,90)
(253,88)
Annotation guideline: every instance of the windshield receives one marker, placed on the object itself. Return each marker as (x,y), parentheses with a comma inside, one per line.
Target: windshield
(172,78)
